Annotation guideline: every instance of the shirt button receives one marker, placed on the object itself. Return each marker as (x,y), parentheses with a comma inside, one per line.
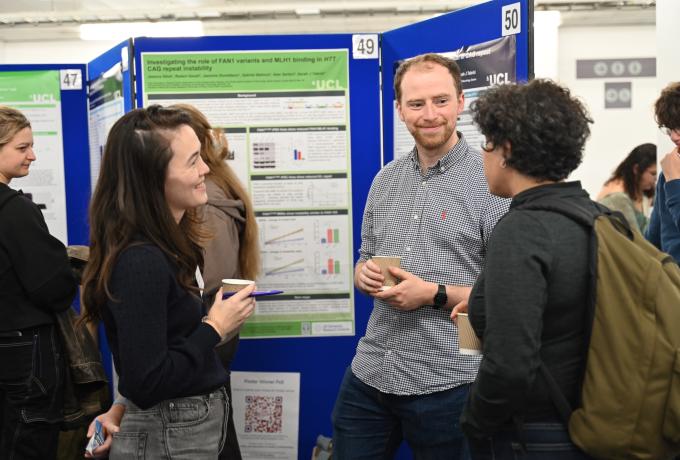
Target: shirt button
(171,405)
(408,248)
(388,352)
(443,169)
(415,216)
(424,182)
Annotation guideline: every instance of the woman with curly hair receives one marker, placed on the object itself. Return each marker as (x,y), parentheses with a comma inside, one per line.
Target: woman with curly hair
(632,181)
(664,224)
(530,299)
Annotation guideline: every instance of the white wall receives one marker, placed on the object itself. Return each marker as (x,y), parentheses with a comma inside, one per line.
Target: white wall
(615,131)
(52,52)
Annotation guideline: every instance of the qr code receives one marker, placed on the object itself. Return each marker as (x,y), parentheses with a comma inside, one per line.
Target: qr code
(263,414)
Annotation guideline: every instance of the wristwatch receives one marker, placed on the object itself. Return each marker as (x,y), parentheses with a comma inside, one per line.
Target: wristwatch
(440,297)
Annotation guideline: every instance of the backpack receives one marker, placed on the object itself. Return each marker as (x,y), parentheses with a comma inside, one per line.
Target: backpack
(630,397)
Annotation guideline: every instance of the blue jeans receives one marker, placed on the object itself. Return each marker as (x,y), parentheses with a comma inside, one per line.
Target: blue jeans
(191,428)
(369,424)
(31,393)
(542,440)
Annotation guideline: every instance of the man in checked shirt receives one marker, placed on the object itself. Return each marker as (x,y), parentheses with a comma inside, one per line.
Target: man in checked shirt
(433,208)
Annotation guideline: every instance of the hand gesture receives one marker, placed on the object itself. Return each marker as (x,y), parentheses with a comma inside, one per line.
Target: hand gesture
(110,424)
(229,314)
(461,307)
(368,278)
(670,165)
(411,293)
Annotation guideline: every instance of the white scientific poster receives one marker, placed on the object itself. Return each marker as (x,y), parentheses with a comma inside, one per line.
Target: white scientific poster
(37,95)
(106,107)
(286,118)
(266,414)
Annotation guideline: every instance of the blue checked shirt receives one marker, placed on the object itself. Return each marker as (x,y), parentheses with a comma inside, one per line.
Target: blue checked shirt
(439,223)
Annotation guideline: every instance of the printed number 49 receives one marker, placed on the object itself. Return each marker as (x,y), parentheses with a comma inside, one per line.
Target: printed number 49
(366,46)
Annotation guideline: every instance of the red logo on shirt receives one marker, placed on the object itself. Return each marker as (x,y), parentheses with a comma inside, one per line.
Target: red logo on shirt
(444,214)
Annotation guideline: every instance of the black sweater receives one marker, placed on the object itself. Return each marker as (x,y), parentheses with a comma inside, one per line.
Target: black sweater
(529,304)
(35,276)
(160,347)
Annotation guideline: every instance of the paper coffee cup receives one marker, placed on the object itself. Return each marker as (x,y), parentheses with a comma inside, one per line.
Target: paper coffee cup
(384,262)
(234,285)
(468,342)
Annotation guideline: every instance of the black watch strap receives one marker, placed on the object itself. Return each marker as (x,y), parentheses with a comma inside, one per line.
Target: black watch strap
(440,297)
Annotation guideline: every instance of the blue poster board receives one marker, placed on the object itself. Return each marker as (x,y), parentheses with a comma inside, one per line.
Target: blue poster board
(120,56)
(321,361)
(75,144)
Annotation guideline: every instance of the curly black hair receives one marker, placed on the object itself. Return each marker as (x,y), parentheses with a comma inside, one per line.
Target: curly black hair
(545,126)
(667,107)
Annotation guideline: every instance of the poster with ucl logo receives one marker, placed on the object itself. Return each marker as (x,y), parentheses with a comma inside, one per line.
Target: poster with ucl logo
(37,95)
(285,115)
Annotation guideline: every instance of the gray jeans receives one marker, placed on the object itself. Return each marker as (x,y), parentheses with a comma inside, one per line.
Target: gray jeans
(176,429)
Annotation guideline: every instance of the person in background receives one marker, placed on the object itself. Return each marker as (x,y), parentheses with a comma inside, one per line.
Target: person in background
(528,304)
(36,282)
(633,180)
(664,224)
(433,208)
(140,280)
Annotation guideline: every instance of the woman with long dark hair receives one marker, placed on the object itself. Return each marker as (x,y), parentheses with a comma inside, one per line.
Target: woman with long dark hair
(140,280)
(633,181)
(232,249)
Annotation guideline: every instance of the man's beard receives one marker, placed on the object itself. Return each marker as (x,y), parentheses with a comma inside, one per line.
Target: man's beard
(431,142)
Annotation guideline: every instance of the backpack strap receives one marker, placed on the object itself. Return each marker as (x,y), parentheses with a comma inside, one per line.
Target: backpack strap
(587,218)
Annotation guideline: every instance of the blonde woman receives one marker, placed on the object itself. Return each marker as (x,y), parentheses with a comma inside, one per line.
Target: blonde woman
(35,283)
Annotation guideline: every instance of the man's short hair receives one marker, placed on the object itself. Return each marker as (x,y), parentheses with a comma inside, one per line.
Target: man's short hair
(667,107)
(427,61)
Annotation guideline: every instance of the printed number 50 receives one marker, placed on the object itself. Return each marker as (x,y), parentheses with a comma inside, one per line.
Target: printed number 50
(511,19)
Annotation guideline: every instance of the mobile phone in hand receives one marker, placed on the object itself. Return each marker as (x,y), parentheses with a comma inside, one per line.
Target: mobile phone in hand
(97,438)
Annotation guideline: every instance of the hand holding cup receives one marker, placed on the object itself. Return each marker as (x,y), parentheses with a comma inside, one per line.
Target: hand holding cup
(229,314)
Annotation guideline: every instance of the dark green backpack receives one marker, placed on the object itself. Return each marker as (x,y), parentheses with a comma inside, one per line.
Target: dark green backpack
(630,398)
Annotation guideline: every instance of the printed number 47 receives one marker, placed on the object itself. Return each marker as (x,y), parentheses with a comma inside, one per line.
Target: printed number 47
(70,79)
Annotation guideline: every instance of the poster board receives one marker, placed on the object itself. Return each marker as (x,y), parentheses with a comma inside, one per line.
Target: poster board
(53,97)
(352,87)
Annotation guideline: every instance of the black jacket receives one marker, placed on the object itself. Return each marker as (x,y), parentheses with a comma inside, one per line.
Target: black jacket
(529,305)
(35,276)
